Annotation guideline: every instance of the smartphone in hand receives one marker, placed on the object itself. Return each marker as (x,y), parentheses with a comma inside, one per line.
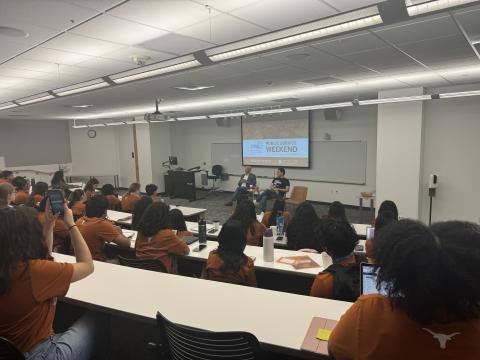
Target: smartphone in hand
(57,201)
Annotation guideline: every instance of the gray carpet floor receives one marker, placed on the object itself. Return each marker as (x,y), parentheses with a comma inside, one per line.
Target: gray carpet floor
(216,210)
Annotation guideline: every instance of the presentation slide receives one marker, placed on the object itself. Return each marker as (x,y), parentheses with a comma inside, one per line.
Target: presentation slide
(276,141)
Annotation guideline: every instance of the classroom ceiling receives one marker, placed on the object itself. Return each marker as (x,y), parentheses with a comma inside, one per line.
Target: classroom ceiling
(71,41)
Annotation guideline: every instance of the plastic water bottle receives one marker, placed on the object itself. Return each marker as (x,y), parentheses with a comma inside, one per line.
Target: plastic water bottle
(268,242)
(280,224)
(202,231)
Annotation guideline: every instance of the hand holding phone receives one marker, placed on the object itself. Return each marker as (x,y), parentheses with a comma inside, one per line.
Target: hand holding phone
(57,202)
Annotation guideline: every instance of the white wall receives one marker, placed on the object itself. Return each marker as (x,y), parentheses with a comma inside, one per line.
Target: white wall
(191,142)
(160,146)
(452,150)
(399,152)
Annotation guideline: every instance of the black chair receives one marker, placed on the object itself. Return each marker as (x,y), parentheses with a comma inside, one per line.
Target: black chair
(145,264)
(183,342)
(217,171)
(9,351)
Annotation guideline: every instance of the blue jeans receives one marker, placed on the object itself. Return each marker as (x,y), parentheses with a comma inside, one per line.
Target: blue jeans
(77,343)
(264,196)
(238,191)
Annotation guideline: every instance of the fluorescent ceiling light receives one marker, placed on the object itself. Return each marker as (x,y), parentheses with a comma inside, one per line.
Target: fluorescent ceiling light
(459,94)
(7,106)
(96,125)
(358,19)
(81,106)
(79,126)
(115,123)
(325,106)
(35,98)
(269,111)
(82,87)
(200,117)
(417,8)
(133,122)
(218,116)
(164,67)
(194,87)
(162,121)
(395,100)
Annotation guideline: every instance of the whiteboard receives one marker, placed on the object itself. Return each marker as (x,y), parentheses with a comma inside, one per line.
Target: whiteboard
(330,161)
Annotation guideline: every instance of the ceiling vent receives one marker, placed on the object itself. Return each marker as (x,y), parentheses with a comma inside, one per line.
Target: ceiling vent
(322,81)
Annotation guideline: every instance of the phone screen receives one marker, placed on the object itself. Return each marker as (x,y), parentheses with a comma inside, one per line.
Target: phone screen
(200,247)
(370,232)
(56,201)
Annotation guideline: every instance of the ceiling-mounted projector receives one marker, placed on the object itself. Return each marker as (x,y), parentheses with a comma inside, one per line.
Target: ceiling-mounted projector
(157,115)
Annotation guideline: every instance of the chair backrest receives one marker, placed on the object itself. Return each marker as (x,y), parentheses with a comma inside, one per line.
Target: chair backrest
(182,342)
(217,170)
(299,193)
(145,264)
(9,351)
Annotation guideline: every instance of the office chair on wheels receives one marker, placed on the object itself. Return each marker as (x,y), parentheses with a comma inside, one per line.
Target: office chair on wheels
(217,171)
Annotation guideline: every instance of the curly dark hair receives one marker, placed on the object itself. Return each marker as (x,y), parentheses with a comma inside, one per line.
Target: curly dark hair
(21,240)
(155,218)
(231,245)
(431,274)
(388,205)
(177,221)
(301,228)
(139,209)
(337,211)
(40,188)
(108,189)
(58,179)
(337,237)
(20,183)
(150,189)
(278,207)
(245,213)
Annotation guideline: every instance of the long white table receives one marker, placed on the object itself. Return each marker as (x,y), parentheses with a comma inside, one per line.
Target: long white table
(124,218)
(279,320)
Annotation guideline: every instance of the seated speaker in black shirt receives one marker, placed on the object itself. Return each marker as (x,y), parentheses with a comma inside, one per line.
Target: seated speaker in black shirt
(279,188)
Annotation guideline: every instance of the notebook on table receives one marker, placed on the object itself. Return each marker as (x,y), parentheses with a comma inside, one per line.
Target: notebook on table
(316,339)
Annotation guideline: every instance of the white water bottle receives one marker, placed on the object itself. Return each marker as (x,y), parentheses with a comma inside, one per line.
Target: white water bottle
(268,242)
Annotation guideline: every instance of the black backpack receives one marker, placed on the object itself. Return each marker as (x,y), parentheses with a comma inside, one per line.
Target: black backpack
(346,281)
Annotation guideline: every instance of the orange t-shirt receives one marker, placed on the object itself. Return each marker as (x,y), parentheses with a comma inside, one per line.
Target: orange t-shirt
(268,214)
(2,181)
(28,306)
(61,235)
(371,329)
(256,238)
(245,276)
(89,193)
(129,201)
(97,232)
(21,198)
(183,233)
(323,284)
(78,208)
(113,202)
(161,246)
(37,199)
(369,250)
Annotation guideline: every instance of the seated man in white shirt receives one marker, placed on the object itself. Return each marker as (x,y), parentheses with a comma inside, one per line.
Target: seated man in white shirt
(248,180)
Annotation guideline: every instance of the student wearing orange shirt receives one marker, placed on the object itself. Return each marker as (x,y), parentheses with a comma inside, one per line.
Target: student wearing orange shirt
(139,209)
(228,263)
(76,202)
(39,191)
(112,197)
(97,230)
(432,307)
(156,240)
(7,194)
(21,190)
(131,197)
(151,190)
(177,222)
(270,217)
(31,282)
(6,176)
(340,281)
(253,229)
(90,188)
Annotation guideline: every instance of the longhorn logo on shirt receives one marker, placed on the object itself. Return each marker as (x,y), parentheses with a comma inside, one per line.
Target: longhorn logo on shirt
(442,338)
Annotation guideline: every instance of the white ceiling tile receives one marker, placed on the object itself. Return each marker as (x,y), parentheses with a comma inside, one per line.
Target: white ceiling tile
(177,44)
(348,5)
(471,23)
(82,45)
(54,56)
(99,5)
(222,29)
(363,41)
(226,5)
(21,73)
(107,66)
(287,12)
(51,14)
(170,15)
(125,54)
(418,30)
(113,29)
(9,49)
(32,65)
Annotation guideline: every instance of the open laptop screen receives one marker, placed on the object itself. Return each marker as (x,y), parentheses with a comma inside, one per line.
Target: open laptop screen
(368,278)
